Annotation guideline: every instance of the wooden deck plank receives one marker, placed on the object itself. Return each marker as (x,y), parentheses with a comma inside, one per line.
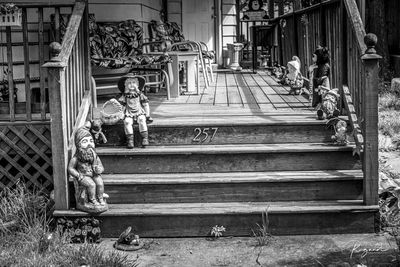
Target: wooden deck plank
(247,96)
(221,97)
(234,95)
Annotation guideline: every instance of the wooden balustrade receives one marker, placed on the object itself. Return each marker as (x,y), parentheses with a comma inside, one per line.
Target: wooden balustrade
(36,34)
(70,94)
(354,69)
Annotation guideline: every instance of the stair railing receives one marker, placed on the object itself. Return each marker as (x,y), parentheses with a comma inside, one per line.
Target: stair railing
(70,92)
(354,69)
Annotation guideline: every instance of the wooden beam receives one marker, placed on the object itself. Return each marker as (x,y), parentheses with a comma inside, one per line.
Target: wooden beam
(370,105)
(351,113)
(26,65)
(10,75)
(57,92)
(356,23)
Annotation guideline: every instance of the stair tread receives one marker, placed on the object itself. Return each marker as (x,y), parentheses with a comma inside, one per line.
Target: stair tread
(232,177)
(227,120)
(154,209)
(224,149)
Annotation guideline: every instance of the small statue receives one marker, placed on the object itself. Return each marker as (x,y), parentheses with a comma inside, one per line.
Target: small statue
(328,107)
(86,168)
(319,71)
(128,241)
(97,132)
(137,107)
(293,77)
(340,128)
(277,70)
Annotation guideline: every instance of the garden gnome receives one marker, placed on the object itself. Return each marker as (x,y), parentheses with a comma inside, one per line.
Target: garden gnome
(86,168)
(128,241)
(340,128)
(320,71)
(328,108)
(137,107)
(294,78)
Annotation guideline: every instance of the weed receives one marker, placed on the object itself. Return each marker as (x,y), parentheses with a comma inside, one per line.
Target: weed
(32,243)
(389,125)
(217,231)
(262,234)
(389,101)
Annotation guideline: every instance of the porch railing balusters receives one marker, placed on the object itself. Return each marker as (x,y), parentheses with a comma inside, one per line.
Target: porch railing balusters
(25,39)
(11,98)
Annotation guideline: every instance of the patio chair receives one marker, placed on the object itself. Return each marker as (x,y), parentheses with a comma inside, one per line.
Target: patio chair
(171,32)
(119,45)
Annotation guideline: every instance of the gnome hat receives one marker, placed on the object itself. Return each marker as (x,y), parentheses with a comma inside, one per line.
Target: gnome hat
(81,133)
(334,92)
(295,64)
(121,81)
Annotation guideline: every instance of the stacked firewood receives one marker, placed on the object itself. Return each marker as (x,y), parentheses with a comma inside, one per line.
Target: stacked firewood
(80,229)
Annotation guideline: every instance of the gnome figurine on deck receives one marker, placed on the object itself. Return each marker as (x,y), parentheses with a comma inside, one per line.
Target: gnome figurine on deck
(85,168)
(137,107)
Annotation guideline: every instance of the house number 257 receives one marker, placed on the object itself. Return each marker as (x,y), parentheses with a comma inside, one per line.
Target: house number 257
(202,134)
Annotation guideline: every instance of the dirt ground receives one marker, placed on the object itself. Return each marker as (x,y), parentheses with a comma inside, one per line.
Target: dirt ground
(318,250)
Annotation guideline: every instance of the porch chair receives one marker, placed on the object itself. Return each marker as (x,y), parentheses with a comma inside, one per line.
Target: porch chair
(170,31)
(119,45)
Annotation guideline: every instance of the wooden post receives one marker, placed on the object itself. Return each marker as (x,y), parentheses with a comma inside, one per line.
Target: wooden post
(370,155)
(59,136)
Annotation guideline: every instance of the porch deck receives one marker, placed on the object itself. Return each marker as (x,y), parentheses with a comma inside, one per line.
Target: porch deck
(232,94)
(235,93)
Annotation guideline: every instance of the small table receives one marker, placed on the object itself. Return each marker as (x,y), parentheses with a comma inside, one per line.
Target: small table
(191,58)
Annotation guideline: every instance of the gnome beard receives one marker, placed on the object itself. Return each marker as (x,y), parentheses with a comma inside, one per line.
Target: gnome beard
(86,155)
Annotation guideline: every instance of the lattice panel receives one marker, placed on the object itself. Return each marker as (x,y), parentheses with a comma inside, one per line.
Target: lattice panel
(25,155)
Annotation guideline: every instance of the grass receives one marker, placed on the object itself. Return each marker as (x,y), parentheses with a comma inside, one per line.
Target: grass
(262,233)
(389,123)
(32,242)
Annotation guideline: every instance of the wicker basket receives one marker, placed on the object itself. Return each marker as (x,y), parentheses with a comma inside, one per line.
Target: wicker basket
(11,19)
(112,112)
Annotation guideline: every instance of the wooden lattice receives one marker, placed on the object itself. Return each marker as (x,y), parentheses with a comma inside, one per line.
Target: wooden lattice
(25,155)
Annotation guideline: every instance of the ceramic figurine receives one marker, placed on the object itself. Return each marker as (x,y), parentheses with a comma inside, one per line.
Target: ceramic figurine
(293,77)
(128,241)
(137,107)
(97,132)
(86,168)
(277,70)
(340,128)
(320,71)
(328,108)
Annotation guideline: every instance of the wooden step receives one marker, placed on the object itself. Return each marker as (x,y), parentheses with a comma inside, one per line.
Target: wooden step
(235,186)
(228,158)
(226,130)
(239,218)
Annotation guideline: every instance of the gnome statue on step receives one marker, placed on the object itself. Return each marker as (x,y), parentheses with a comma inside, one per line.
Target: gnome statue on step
(328,108)
(85,168)
(137,108)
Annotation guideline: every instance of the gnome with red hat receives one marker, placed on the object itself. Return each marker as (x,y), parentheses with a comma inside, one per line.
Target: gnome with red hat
(137,109)
(86,168)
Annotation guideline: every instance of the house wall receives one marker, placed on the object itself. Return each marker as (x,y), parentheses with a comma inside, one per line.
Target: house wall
(142,11)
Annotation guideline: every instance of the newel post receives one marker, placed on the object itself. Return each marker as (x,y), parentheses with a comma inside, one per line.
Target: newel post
(370,129)
(59,139)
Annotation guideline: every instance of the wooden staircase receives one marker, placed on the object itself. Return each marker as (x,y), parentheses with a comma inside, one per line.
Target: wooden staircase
(284,164)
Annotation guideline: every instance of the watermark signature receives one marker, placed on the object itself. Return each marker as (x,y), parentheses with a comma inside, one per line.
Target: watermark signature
(357,248)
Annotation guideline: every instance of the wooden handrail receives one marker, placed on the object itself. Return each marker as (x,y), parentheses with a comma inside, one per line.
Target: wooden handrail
(357,24)
(69,38)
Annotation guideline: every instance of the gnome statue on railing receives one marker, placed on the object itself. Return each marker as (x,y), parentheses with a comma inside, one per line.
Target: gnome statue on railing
(86,168)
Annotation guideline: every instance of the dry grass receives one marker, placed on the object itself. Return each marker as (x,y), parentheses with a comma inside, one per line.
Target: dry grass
(31,242)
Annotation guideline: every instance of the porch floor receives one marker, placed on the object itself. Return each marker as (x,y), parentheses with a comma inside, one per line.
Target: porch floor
(233,94)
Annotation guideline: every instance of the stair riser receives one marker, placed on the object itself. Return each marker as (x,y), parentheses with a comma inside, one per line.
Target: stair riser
(234,192)
(225,135)
(240,224)
(175,163)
